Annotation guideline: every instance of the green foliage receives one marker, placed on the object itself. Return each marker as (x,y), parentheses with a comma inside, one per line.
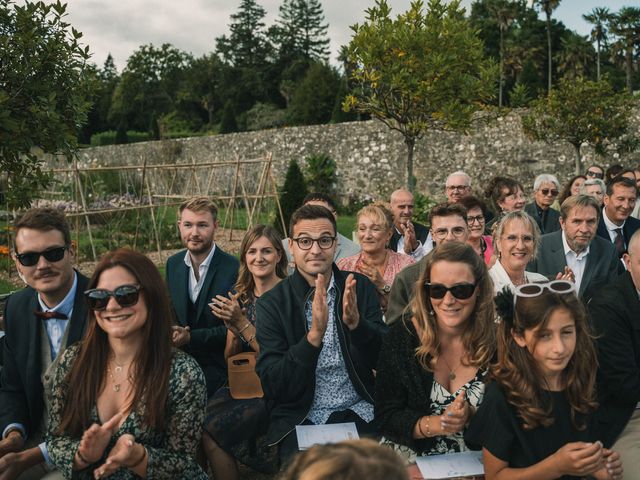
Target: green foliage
(422,70)
(265,115)
(44,92)
(421,207)
(321,173)
(520,96)
(314,99)
(293,192)
(580,111)
(114,138)
(228,123)
(300,31)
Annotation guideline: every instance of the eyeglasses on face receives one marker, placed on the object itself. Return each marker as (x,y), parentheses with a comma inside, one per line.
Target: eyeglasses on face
(461,291)
(591,173)
(441,233)
(29,259)
(305,243)
(549,191)
(477,218)
(125,295)
(458,188)
(526,239)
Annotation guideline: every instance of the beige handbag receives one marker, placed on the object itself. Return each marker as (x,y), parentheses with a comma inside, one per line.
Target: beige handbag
(243,380)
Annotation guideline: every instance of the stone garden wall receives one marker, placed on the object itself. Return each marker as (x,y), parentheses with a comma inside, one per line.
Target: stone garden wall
(370,157)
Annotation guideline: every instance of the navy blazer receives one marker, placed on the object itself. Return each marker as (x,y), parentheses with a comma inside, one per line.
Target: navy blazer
(630,226)
(602,267)
(21,391)
(422,232)
(551,221)
(208,332)
(614,313)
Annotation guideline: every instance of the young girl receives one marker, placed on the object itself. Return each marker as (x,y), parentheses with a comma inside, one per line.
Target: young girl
(536,420)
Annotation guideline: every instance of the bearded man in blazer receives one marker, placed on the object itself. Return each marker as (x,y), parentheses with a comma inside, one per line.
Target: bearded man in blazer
(194,277)
(592,260)
(41,321)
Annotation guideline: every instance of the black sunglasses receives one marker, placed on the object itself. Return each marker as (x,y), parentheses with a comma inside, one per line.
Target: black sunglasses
(462,291)
(547,191)
(591,173)
(29,259)
(125,295)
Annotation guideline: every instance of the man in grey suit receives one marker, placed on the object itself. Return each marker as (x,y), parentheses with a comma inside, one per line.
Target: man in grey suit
(576,248)
(344,248)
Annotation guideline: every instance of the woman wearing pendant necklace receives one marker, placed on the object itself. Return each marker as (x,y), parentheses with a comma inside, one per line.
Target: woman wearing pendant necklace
(125,404)
(432,364)
(375,260)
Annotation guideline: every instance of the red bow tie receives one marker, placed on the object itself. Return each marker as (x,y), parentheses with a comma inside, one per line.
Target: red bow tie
(49,315)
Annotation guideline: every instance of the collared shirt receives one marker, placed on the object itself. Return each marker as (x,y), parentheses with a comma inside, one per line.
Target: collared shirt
(420,251)
(56,326)
(334,391)
(575,261)
(195,285)
(611,227)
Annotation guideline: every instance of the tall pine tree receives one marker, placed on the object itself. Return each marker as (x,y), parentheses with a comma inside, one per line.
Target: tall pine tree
(301,31)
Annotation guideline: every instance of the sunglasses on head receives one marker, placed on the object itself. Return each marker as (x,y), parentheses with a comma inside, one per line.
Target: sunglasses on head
(461,291)
(534,289)
(125,295)
(30,259)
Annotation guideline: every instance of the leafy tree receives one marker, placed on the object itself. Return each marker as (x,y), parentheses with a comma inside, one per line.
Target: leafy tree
(520,96)
(293,192)
(44,92)
(315,97)
(228,123)
(300,31)
(580,111)
(505,12)
(148,86)
(599,18)
(423,70)
(548,6)
(626,26)
(321,173)
(575,57)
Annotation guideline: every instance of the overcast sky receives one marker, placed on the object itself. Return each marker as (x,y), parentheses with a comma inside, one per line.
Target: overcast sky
(120,27)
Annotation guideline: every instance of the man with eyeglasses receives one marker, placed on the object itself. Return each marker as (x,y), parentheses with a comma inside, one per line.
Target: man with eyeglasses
(614,312)
(575,250)
(320,331)
(409,237)
(41,321)
(448,224)
(545,192)
(194,277)
(595,171)
(457,186)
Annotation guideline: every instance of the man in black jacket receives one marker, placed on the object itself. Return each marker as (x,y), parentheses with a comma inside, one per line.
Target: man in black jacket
(320,332)
(41,321)
(409,237)
(614,312)
(616,223)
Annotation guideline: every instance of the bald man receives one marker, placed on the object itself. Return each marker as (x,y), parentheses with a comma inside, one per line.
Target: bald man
(410,238)
(617,323)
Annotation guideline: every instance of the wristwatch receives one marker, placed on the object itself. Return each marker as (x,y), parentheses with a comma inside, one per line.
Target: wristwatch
(386,289)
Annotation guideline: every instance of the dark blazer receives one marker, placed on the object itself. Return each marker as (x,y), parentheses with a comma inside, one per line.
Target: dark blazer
(602,267)
(208,332)
(21,391)
(422,232)
(551,221)
(614,313)
(630,226)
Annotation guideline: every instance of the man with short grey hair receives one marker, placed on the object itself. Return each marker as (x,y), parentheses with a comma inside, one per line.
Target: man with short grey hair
(545,192)
(457,186)
(595,188)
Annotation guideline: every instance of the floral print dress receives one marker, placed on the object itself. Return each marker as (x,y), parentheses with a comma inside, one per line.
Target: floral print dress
(170,453)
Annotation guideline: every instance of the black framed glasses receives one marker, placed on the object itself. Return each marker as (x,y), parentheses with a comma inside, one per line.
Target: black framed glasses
(549,191)
(125,295)
(592,174)
(457,188)
(29,259)
(477,218)
(461,291)
(305,243)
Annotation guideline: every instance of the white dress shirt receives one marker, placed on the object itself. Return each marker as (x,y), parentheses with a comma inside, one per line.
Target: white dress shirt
(195,285)
(575,261)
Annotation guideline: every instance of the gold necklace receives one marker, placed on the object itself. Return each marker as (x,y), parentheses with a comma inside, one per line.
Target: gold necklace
(452,371)
(118,369)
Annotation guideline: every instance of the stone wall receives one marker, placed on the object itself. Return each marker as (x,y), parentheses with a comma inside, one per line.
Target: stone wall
(371,157)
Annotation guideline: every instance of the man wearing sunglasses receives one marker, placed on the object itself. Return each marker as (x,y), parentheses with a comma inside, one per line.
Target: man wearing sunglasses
(195,276)
(576,250)
(41,321)
(320,331)
(448,224)
(595,171)
(545,192)
(614,312)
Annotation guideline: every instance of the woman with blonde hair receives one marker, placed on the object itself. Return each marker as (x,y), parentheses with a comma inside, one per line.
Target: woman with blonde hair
(433,362)
(375,260)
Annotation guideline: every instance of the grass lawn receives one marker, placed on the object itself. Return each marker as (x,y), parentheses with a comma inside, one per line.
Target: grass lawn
(346,225)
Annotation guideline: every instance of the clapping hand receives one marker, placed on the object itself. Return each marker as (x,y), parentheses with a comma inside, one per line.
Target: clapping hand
(612,469)
(456,415)
(96,438)
(319,313)
(410,241)
(125,453)
(372,273)
(229,311)
(566,274)
(350,313)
